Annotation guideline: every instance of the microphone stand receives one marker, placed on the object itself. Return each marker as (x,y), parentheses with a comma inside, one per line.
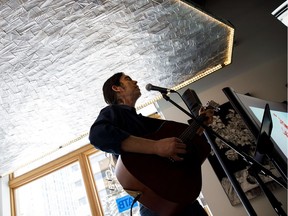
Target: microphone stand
(251,161)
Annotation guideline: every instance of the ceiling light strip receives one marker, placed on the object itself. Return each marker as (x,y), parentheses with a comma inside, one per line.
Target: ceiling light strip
(223,23)
(210,16)
(200,75)
(230,47)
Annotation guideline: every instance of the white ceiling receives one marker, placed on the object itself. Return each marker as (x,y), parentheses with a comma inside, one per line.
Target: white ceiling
(55,56)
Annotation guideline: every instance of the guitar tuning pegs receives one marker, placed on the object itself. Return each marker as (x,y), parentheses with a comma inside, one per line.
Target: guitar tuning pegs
(213,105)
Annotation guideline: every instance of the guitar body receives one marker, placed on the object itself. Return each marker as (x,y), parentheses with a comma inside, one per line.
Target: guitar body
(166,186)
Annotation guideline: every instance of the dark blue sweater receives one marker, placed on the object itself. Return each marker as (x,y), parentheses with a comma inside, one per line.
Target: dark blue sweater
(116,123)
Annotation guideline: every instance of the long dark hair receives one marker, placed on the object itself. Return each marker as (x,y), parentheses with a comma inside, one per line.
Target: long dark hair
(109,94)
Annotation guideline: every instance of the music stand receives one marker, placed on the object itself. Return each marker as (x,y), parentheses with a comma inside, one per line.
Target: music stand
(264,147)
(264,144)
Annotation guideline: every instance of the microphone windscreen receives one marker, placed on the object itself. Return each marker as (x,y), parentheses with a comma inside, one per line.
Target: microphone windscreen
(148,87)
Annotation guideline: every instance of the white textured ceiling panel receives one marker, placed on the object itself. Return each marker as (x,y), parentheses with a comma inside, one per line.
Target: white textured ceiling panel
(55,56)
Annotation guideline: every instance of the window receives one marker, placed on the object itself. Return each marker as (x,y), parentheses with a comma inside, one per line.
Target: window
(80,183)
(111,193)
(53,194)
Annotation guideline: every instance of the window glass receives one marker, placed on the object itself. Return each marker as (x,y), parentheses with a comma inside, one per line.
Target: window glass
(114,200)
(59,193)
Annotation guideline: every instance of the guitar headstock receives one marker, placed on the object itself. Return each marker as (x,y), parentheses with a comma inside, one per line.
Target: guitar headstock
(206,113)
(194,104)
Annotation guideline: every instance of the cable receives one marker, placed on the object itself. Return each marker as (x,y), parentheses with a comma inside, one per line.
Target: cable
(134,201)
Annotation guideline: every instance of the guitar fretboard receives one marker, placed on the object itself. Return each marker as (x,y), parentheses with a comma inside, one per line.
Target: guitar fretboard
(190,132)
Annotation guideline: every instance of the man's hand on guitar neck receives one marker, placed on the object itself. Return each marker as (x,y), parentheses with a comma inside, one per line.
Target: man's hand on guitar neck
(167,147)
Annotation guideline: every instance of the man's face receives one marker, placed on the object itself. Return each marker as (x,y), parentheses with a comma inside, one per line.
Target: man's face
(129,87)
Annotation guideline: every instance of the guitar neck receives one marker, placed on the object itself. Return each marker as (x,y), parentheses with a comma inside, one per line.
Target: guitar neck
(190,132)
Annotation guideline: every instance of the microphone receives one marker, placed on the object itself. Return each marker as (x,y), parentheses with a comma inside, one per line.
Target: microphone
(150,87)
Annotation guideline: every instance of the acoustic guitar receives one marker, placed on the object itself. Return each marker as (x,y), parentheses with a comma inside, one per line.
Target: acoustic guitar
(164,186)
